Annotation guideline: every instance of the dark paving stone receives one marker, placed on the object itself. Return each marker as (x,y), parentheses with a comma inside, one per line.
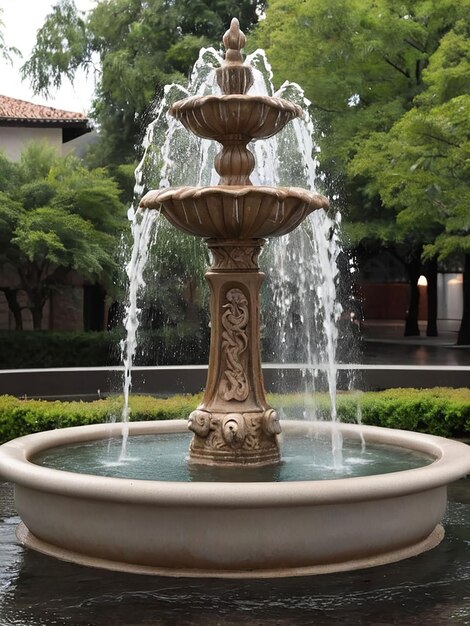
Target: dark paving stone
(432,589)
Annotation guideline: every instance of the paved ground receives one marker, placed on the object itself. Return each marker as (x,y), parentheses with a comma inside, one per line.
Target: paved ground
(428,590)
(384,343)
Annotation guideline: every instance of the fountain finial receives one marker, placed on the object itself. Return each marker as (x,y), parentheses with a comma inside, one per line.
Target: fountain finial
(234,77)
(234,41)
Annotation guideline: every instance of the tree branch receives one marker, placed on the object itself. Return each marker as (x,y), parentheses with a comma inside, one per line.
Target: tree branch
(418,72)
(449,143)
(397,67)
(413,45)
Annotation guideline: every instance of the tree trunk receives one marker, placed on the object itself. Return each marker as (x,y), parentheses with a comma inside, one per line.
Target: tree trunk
(430,271)
(411,324)
(36,312)
(463,338)
(191,314)
(93,307)
(11,296)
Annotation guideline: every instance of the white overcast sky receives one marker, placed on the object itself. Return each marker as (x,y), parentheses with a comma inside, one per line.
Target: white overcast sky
(22,19)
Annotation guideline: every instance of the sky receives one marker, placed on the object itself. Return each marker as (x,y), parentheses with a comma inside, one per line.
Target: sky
(22,19)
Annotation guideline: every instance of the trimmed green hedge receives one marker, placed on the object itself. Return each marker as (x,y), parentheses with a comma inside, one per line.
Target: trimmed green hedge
(38,349)
(438,411)
(441,411)
(21,417)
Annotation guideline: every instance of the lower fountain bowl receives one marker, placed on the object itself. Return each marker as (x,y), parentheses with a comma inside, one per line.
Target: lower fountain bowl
(234,212)
(235,530)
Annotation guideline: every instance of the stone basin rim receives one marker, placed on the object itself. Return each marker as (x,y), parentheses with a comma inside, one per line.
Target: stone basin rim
(194,102)
(158,196)
(452,462)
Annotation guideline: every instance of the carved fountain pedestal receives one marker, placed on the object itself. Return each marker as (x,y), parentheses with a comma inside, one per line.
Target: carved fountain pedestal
(234,424)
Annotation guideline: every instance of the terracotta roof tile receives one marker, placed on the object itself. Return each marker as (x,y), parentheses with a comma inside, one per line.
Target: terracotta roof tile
(13,109)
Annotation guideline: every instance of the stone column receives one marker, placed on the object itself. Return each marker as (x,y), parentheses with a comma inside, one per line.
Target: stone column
(234,424)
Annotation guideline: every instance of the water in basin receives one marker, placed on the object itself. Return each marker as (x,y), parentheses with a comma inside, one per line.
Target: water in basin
(162,457)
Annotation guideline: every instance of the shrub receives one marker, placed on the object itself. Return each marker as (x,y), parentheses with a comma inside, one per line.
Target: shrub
(439,411)
(21,417)
(38,349)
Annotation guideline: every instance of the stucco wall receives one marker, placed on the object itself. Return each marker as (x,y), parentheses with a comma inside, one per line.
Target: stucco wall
(450,296)
(13,139)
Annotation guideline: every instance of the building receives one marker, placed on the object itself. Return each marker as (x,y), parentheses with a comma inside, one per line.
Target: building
(22,122)
(384,291)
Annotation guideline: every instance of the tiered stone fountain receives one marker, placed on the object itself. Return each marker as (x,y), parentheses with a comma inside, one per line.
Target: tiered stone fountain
(237,528)
(234,424)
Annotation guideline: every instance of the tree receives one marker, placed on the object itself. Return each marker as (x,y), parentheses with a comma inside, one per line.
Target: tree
(134,48)
(420,167)
(376,73)
(64,218)
(6,52)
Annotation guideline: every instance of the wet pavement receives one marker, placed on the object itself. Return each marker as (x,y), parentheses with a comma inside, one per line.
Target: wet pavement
(384,343)
(432,589)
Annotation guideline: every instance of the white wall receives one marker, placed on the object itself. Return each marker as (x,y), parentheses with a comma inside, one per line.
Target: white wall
(13,139)
(449,296)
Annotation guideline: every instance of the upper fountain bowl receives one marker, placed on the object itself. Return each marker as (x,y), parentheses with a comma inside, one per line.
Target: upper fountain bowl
(234,211)
(235,116)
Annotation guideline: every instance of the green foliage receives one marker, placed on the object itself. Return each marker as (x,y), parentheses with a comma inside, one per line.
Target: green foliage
(439,411)
(139,46)
(64,46)
(175,290)
(92,194)
(10,212)
(6,52)
(22,417)
(8,174)
(180,345)
(36,194)
(18,418)
(26,349)
(389,85)
(124,175)
(448,73)
(421,169)
(53,236)
(36,161)
(59,216)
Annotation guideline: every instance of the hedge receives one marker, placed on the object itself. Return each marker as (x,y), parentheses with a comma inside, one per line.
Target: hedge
(438,411)
(37,349)
(20,417)
(441,411)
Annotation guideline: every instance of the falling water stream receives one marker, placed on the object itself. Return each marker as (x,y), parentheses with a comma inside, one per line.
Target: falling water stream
(302,266)
(143,231)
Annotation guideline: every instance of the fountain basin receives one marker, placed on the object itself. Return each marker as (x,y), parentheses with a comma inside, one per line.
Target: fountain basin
(234,212)
(221,117)
(231,529)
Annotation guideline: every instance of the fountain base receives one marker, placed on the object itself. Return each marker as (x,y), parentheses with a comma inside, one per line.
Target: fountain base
(30,541)
(232,529)
(235,439)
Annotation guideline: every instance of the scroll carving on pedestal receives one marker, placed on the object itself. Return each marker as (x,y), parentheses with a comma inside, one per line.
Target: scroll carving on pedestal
(234,383)
(235,257)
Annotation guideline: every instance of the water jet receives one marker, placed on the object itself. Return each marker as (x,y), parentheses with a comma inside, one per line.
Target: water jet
(233,528)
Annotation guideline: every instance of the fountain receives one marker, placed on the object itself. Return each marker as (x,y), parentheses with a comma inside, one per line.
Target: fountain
(233,526)
(234,424)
